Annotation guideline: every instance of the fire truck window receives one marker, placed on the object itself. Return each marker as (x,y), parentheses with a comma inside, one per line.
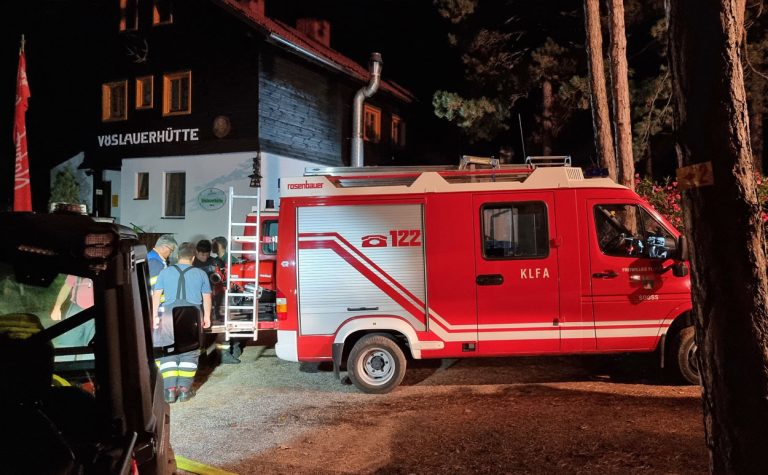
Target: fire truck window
(625,230)
(269,236)
(515,231)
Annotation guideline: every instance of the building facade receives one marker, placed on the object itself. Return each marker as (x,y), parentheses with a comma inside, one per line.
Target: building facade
(198,96)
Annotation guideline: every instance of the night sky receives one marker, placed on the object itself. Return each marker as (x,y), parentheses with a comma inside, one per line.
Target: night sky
(409,34)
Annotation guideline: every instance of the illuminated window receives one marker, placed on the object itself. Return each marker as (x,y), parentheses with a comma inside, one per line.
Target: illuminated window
(162,12)
(129,17)
(372,124)
(142,186)
(144,94)
(177,93)
(397,131)
(175,193)
(114,101)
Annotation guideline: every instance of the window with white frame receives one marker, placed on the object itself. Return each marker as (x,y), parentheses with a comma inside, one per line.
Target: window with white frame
(175,194)
(142,186)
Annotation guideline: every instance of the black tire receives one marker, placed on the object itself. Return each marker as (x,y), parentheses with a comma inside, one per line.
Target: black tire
(683,356)
(376,364)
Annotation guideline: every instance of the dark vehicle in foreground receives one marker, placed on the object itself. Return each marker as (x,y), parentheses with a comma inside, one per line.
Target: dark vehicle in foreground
(80,390)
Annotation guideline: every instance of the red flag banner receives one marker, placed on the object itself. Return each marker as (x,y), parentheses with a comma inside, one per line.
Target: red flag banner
(22,197)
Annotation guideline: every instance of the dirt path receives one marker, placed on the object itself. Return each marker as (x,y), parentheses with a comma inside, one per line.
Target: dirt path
(508,415)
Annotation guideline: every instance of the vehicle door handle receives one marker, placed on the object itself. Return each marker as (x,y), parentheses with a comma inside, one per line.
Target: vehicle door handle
(490,279)
(360,309)
(605,275)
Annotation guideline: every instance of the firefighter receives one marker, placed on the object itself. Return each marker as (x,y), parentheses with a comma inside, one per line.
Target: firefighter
(229,351)
(157,258)
(183,285)
(214,270)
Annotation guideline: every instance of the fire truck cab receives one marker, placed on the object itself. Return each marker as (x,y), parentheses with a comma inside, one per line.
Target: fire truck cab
(379,263)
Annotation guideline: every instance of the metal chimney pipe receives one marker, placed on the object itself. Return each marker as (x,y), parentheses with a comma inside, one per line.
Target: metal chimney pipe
(357,111)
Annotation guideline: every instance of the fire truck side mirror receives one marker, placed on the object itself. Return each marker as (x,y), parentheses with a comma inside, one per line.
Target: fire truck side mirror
(682,249)
(680,269)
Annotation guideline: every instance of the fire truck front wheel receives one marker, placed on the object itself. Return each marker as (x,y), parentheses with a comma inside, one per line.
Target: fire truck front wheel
(376,364)
(685,357)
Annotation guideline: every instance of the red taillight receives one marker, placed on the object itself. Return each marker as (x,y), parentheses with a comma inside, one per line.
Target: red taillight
(281,306)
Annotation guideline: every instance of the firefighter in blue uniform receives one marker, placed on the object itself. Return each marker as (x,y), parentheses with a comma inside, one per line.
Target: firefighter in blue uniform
(157,258)
(183,285)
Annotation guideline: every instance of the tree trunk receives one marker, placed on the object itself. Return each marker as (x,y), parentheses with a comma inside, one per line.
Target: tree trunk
(601,120)
(620,84)
(723,224)
(546,122)
(756,138)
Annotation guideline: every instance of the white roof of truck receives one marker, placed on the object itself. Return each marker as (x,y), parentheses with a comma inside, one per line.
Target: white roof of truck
(342,181)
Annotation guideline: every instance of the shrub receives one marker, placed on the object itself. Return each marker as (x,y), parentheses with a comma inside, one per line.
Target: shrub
(665,197)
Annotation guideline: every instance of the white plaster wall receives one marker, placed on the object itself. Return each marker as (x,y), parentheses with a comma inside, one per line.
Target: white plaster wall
(202,171)
(114,177)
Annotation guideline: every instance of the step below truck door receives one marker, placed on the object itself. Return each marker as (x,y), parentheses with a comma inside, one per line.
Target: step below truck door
(516,275)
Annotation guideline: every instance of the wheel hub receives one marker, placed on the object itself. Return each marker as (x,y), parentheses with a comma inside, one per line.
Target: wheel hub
(377,364)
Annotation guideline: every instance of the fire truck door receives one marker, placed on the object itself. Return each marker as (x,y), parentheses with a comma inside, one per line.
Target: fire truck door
(516,273)
(631,292)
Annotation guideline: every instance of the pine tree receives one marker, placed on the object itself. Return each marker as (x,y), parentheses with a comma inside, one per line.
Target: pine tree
(729,284)
(521,50)
(601,120)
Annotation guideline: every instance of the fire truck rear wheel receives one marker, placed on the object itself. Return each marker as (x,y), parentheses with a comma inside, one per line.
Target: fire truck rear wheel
(376,364)
(685,355)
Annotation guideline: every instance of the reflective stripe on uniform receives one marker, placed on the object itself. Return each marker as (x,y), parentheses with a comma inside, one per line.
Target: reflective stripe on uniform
(166,365)
(169,369)
(187,369)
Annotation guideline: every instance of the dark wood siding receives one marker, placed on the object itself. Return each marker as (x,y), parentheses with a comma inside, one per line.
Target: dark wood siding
(299,111)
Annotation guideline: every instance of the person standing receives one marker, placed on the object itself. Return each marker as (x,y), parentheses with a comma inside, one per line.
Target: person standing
(229,350)
(219,247)
(203,259)
(215,271)
(157,258)
(78,292)
(182,284)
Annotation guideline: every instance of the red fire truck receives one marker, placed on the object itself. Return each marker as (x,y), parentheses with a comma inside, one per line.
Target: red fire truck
(379,263)
(266,261)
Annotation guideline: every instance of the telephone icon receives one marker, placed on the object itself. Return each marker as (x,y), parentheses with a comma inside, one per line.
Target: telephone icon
(375,240)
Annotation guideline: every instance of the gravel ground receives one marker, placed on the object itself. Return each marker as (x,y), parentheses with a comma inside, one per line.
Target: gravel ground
(242,410)
(504,415)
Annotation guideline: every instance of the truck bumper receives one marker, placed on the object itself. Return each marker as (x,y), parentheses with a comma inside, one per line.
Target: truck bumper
(286,347)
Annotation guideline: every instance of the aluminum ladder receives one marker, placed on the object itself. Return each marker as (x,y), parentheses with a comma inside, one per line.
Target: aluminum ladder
(242,321)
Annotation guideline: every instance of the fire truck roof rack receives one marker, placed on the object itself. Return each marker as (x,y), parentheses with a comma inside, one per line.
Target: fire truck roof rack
(471,169)
(548,161)
(405,175)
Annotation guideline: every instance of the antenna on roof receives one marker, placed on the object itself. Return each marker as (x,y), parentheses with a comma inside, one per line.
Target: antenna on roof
(522,140)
